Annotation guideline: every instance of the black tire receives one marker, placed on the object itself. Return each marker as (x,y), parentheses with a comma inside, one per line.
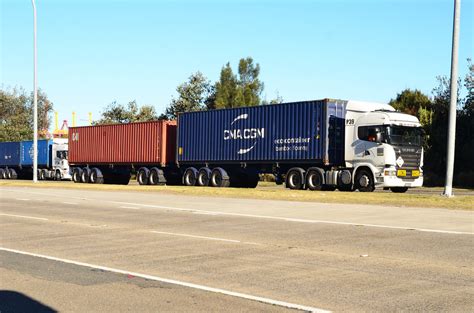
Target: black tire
(204,176)
(190,176)
(96,176)
(399,189)
(42,175)
(12,174)
(2,173)
(364,181)
(219,178)
(58,176)
(295,178)
(156,177)
(314,179)
(76,175)
(85,175)
(143,176)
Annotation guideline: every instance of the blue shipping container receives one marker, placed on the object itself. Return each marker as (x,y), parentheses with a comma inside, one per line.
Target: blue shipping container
(310,131)
(16,154)
(44,153)
(10,153)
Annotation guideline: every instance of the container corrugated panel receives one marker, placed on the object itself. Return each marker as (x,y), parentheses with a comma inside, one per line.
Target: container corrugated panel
(134,143)
(10,153)
(44,153)
(307,131)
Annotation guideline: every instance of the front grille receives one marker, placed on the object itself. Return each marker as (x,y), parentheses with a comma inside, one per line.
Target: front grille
(411,156)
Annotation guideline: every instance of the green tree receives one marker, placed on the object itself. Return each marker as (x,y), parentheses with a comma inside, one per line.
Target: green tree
(464,155)
(244,90)
(226,95)
(116,113)
(249,83)
(16,115)
(196,94)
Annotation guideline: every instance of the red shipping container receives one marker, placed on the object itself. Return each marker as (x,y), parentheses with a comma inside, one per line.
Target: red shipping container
(134,143)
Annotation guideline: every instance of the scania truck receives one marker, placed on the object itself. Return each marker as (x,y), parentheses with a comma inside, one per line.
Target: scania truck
(317,145)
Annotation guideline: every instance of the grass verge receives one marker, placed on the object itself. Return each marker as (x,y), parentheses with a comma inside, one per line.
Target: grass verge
(266,193)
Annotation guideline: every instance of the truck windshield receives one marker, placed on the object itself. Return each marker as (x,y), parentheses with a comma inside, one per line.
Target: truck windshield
(405,136)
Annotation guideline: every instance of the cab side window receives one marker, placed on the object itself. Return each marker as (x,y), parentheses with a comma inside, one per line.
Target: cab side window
(367,133)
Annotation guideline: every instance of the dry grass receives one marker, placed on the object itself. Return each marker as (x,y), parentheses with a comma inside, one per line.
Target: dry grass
(270,192)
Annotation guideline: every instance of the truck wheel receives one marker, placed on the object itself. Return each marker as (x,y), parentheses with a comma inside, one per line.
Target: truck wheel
(143,176)
(295,178)
(190,176)
(96,176)
(314,179)
(76,174)
(219,178)
(42,175)
(12,174)
(58,176)
(364,181)
(204,176)
(156,177)
(2,173)
(399,189)
(85,176)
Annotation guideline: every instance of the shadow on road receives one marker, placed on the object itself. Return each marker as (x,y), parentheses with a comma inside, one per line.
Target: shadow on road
(14,302)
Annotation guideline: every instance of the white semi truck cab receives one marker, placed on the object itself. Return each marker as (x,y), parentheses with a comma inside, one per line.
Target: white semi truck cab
(59,169)
(384,148)
(60,159)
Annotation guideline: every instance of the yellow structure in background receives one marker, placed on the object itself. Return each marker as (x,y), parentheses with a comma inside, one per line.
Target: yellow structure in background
(63,131)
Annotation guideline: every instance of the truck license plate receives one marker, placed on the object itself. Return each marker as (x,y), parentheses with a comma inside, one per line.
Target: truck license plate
(415,173)
(402,173)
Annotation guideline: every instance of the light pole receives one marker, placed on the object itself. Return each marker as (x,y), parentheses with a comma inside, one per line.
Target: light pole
(448,188)
(35,104)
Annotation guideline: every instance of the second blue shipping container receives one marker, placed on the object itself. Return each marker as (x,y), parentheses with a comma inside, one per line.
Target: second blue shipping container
(44,150)
(20,153)
(303,132)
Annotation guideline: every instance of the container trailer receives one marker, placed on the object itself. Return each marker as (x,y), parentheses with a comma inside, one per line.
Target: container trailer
(317,145)
(109,153)
(16,159)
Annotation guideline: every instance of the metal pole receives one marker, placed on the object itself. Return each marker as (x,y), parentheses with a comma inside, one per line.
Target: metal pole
(448,188)
(35,104)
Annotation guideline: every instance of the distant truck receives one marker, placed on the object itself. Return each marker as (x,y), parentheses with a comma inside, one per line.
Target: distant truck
(317,145)
(16,159)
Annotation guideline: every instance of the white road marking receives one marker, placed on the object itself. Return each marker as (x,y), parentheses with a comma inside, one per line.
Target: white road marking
(297,220)
(194,236)
(21,199)
(176,282)
(204,213)
(72,203)
(24,216)
(129,207)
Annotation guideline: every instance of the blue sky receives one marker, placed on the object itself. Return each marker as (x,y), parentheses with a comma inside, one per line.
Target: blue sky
(91,53)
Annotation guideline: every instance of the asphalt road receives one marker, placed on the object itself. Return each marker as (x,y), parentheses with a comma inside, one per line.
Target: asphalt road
(82,250)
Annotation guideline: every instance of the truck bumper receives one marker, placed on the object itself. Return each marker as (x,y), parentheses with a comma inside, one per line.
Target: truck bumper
(66,175)
(394,181)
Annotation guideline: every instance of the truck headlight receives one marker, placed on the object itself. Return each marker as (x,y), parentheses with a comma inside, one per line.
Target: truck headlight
(390,173)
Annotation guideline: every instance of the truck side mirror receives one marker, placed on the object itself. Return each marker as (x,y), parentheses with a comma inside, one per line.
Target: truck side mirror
(379,137)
